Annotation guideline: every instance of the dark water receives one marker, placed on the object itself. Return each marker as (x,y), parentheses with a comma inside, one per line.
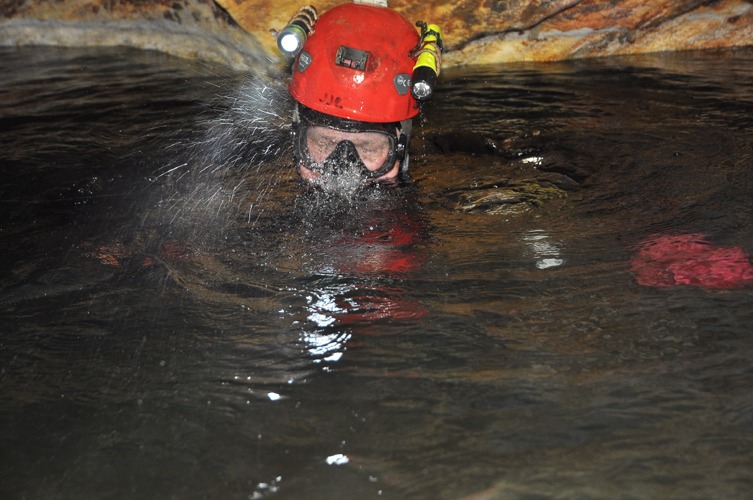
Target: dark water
(182,319)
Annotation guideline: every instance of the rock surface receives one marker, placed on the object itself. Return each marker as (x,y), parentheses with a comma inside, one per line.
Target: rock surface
(193,29)
(236,32)
(491,31)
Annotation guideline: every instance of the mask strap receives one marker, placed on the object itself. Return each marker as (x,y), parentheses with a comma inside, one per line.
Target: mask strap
(406,127)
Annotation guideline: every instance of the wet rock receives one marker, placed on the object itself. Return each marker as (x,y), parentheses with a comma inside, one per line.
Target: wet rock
(236,32)
(192,29)
(485,31)
(474,144)
(506,196)
(463,142)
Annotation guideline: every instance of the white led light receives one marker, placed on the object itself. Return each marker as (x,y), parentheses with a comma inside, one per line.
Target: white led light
(289,43)
(421,90)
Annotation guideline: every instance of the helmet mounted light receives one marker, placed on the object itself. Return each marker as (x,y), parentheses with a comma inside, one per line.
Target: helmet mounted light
(428,55)
(292,38)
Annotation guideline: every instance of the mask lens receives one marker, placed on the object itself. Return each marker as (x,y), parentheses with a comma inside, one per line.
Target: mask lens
(376,149)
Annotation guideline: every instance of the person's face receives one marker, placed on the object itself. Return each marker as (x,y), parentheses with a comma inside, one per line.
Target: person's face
(373,149)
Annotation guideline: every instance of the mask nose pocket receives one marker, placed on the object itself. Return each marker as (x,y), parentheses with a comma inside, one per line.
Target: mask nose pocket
(344,158)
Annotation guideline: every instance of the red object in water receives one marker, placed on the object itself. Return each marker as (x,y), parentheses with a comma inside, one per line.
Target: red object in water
(690,259)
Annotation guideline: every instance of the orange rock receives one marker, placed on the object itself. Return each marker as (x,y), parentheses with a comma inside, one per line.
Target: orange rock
(476,31)
(488,31)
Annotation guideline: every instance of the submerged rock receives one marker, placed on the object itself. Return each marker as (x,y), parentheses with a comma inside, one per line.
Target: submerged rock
(506,197)
(692,260)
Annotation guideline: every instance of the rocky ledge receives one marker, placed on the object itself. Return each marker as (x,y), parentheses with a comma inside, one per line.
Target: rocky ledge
(236,32)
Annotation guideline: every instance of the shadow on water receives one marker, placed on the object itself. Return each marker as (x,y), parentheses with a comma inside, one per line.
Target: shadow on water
(182,318)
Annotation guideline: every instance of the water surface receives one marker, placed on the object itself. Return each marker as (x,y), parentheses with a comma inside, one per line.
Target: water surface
(182,318)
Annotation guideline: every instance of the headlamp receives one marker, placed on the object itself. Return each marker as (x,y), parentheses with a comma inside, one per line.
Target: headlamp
(291,38)
(428,62)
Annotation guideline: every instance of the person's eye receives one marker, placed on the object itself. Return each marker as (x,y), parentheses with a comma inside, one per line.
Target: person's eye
(378,151)
(322,144)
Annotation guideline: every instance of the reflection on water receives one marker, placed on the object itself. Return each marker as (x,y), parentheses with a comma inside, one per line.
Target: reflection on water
(544,250)
(182,318)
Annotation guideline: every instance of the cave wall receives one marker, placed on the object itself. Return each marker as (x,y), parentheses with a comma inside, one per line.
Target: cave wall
(236,32)
(193,29)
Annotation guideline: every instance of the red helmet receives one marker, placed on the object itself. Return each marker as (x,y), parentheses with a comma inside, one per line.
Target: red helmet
(356,64)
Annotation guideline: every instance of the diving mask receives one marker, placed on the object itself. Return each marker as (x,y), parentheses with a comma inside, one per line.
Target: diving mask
(329,145)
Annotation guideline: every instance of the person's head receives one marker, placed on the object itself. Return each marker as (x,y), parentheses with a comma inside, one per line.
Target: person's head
(352,86)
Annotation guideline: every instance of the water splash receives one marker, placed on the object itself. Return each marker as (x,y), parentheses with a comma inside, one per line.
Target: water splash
(230,170)
(344,184)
